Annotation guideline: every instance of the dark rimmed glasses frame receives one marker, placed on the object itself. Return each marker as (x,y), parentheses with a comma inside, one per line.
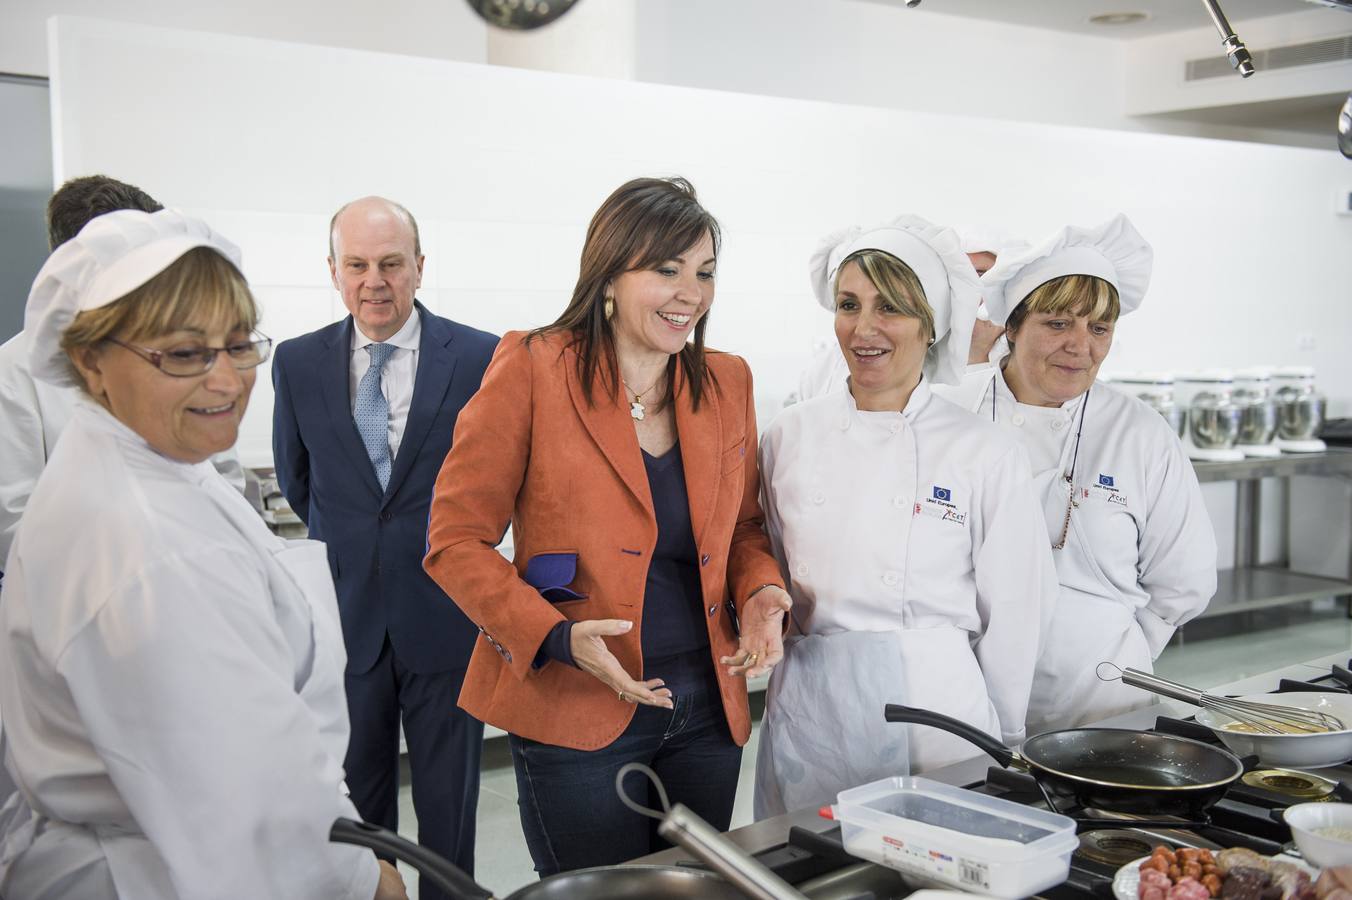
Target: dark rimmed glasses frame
(191,363)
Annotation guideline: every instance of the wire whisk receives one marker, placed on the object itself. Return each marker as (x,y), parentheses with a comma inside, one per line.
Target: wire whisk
(1262,718)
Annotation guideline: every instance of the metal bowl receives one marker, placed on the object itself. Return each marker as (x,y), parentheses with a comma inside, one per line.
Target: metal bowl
(1213,422)
(1257,421)
(1300,418)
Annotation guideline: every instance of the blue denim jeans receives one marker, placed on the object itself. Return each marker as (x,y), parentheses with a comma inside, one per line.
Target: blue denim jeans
(570,812)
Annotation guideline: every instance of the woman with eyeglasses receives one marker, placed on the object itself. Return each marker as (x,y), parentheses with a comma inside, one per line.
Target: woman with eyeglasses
(171,672)
(1134,549)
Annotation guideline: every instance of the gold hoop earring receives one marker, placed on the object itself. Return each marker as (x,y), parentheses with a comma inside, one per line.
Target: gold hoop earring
(609,308)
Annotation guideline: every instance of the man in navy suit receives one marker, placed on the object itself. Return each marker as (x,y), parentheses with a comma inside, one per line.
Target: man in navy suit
(365,409)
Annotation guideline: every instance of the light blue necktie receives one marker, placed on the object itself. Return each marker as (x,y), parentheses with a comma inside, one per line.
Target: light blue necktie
(372,413)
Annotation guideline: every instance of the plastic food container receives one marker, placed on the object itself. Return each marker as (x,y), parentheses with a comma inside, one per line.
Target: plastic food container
(955,836)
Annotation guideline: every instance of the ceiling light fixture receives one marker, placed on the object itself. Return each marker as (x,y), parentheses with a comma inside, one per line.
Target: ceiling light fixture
(1119,18)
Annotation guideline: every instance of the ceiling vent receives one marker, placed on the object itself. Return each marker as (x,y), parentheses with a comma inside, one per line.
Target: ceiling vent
(1327,50)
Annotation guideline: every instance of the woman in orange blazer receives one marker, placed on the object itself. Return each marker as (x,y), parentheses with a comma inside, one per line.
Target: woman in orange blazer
(624,455)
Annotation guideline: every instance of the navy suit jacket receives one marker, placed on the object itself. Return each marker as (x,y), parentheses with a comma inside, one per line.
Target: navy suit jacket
(376,539)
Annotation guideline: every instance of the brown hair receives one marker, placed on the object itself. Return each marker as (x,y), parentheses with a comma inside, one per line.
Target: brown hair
(898,284)
(643,224)
(200,288)
(81,199)
(1079,295)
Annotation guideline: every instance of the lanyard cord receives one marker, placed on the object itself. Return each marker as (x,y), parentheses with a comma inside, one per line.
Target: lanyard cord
(1074,459)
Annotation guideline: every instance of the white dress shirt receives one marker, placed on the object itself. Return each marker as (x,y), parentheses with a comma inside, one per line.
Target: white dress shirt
(396,382)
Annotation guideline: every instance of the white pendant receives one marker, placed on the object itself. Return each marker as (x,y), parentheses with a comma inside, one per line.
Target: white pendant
(636,410)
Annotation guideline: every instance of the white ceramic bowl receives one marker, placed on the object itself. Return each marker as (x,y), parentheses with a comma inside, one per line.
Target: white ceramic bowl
(1298,751)
(1321,850)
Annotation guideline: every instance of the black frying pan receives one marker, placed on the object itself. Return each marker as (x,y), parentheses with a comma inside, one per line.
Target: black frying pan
(1112,769)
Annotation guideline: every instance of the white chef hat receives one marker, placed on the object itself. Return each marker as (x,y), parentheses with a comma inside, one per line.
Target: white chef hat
(935,254)
(112,255)
(1113,251)
(988,239)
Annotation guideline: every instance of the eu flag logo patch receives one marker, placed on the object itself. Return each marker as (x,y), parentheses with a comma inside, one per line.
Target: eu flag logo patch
(1106,480)
(943,493)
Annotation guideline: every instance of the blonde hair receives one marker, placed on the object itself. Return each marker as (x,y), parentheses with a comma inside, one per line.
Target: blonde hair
(200,289)
(897,282)
(1078,295)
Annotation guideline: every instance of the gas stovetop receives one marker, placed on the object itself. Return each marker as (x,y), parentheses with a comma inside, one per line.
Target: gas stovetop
(1250,815)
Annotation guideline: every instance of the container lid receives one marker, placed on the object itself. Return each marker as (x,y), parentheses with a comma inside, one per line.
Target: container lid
(1294,372)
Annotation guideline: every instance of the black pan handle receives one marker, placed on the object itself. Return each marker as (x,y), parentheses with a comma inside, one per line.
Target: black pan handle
(431,866)
(911,715)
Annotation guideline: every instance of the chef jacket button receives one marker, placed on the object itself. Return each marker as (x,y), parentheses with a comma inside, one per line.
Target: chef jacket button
(890,579)
(895,426)
(818,497)
(1058,424)
(713,610)
(801,569)
(1017,419)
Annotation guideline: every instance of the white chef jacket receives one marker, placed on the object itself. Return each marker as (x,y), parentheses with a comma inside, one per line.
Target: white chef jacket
(32,415)
(919,522)
(396,381)
(171,684)
(1140,555)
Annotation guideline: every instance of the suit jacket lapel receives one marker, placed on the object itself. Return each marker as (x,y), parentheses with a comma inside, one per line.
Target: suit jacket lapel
(701,436)
(334,385)
(610,426)
(436,365)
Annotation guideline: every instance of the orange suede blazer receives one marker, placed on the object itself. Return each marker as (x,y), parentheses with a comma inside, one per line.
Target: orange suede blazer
(570,478)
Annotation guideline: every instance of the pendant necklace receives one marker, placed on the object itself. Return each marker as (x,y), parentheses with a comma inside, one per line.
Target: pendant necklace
(636,407)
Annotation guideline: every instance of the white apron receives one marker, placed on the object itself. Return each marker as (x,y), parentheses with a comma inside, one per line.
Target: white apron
(824,730)
(1088,628)
(43,859)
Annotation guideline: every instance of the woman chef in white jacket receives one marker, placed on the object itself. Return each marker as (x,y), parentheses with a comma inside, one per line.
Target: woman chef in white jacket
(1135,551)
(171,672)
(907,532)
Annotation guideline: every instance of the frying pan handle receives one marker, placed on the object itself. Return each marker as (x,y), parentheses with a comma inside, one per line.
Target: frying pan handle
(1162,686)
(433,867)
(914,716)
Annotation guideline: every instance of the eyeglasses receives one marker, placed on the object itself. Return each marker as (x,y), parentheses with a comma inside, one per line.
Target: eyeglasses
(186,362)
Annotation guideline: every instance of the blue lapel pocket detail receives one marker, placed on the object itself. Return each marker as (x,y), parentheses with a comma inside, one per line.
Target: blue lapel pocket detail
(551,573)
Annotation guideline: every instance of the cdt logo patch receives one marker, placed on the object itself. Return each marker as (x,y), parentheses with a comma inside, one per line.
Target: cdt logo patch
(940,505)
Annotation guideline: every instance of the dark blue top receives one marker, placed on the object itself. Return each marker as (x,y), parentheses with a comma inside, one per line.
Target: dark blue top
(675,639)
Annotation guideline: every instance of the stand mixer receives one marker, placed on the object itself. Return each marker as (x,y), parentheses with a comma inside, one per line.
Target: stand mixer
(1212,417)
(1300,410)
(1156,390)
(1257,413)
